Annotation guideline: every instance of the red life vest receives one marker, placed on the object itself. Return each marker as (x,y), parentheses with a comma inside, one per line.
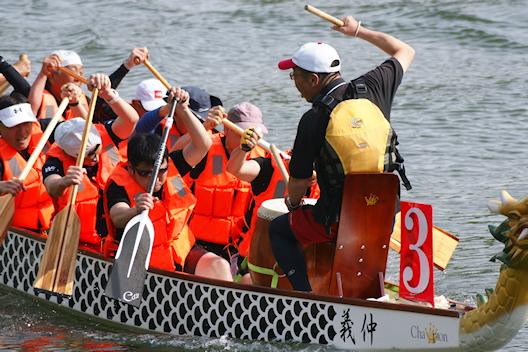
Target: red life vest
(222,199)
(33,207)
(89,190)
(172,237)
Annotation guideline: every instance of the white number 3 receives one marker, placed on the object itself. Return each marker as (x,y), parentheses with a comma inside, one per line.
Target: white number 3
(423,261)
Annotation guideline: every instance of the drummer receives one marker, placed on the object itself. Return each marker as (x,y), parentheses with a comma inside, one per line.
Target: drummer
(174,245)
(20,134)
(315,70)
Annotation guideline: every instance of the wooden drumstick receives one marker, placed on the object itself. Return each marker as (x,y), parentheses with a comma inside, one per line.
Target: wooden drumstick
(324,15)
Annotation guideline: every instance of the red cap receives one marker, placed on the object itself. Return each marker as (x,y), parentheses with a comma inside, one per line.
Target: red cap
(287,64)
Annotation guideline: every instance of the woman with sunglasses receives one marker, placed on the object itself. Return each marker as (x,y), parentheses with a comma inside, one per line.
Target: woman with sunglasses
(170,206)
(102,155)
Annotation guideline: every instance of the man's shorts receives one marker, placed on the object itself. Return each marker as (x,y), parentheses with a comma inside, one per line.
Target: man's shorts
(307,230)
(192,259)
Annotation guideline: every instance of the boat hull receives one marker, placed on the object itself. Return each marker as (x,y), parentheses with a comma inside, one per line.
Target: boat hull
(182,304)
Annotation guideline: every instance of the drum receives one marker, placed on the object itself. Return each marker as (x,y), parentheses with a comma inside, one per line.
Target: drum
(318,257)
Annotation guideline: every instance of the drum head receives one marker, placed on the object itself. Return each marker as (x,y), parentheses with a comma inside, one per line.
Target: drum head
(272,208)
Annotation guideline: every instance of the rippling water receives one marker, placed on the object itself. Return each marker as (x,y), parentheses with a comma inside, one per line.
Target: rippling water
(461,112)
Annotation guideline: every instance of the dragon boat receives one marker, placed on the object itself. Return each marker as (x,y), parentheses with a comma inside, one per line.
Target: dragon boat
(182,304)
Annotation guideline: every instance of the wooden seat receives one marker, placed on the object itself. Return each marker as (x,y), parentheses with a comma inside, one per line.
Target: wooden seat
(363,237)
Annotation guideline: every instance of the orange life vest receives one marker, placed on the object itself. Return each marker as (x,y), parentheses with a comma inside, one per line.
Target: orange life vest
(89,190)
(33,207)
(172,237)
(48,106)
(222,199)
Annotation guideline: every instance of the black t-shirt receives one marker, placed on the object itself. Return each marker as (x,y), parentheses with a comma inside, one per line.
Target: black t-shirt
(261,182)
(382,83)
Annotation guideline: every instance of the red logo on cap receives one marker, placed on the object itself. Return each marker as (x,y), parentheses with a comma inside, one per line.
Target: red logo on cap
(158,94)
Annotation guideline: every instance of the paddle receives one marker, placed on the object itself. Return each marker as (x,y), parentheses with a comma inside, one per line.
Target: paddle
(262,143)
(57,266)
(73,74)
(275,153)
(127,278)
(444,243)
(7,203)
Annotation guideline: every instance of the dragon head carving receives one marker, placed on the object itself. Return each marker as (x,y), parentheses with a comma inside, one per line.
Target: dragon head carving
(513,232)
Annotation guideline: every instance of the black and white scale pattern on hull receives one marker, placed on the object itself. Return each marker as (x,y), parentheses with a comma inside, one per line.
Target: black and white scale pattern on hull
(172,305)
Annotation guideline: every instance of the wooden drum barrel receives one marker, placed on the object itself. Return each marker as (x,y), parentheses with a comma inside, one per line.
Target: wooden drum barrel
(319,258)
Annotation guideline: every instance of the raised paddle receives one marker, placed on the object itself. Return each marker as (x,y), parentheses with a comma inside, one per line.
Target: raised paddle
(262,143)
(444,243)
(57,266)
(7,203)
(131,263)
(73,74)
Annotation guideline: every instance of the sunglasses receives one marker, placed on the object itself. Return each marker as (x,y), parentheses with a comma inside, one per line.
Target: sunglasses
(148,173)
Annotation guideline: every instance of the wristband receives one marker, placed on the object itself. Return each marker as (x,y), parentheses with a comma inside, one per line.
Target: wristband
(115,97)
(290,206)
(74,104)
(357,29)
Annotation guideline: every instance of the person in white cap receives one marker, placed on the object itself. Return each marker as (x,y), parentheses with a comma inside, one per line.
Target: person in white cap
(104,151)
(20,133)
(150,94)
(360,106)
(51,85)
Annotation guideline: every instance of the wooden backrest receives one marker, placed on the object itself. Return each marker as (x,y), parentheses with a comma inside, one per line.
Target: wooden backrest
(365,227)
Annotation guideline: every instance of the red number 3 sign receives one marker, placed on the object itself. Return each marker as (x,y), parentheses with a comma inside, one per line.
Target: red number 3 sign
(416,256)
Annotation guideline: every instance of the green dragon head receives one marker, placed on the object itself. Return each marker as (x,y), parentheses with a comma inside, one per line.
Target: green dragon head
(513,232)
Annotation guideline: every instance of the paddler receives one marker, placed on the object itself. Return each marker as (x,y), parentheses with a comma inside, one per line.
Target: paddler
(102,155)
(20,132)
(170,207)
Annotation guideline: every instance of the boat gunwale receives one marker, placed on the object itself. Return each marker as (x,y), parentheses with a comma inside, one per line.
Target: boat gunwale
(267,290)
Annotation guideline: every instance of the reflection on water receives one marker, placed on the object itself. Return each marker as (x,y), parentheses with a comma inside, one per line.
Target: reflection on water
(461,111)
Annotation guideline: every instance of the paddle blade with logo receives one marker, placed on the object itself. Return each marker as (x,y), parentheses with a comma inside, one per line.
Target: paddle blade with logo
(127,278)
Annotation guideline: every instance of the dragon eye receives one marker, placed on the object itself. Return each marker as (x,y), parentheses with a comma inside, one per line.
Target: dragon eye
(523,234)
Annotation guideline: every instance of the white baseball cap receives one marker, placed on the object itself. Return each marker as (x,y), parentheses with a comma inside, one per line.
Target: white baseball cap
(16,114)
(150,93)
(68,57)
(314,57)
(68,136)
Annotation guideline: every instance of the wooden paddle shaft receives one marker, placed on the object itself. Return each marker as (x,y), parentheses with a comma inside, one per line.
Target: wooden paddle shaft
(157,74)
(261,142)
(43,140)
(84,142)
(73,74)
(280,162)
(161,151)
(324,15)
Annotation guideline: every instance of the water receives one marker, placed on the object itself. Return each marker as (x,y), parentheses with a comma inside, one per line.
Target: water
(461,112)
